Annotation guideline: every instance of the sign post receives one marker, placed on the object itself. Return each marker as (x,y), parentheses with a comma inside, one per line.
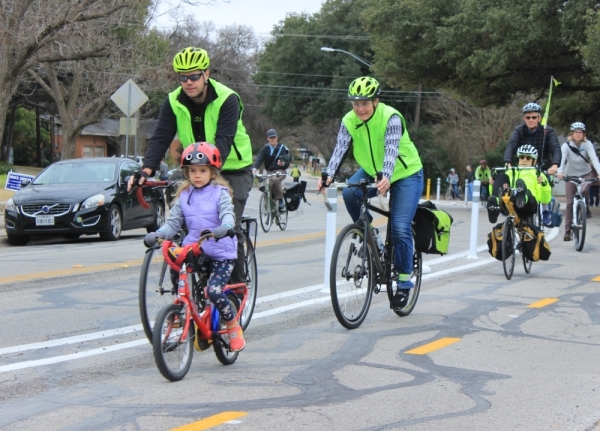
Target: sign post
(129,98)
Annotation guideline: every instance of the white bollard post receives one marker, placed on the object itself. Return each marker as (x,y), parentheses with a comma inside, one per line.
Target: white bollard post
(466,192)
(437,193)
(330,230)
(474,220)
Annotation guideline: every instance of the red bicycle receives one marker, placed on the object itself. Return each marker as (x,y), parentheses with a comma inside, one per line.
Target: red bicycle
(192,321)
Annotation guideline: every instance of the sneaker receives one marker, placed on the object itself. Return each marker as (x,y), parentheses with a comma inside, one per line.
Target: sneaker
(567,236)
(236,337)
(521,195)
(281,205)
(400,299)
(493,208)
(588,214)
(546,217)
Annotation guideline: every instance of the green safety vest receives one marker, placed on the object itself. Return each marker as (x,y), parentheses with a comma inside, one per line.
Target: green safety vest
(240,155)
(369,143)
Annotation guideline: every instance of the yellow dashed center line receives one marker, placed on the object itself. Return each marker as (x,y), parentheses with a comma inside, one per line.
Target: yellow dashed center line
(430,347)
(212,421)
(543,303)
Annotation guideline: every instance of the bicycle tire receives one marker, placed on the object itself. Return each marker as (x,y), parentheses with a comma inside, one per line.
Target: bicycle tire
(579,225)
(155,289)
(508,248)
(416,277)
(251,272)
(222,352)
(526,262)
(282,218)
(351,294)
(265,213)
(172,356)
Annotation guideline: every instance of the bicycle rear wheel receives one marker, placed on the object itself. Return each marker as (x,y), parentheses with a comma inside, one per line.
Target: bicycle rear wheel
(350,281)
(173,356)
(282,218)
(265,213)
(526,262)
(224,355)
(579,225)
(417,274)
(251,272)
(155,289)
(508,247)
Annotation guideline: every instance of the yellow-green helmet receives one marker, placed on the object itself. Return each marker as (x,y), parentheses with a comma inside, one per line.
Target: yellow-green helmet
(191,58)
(364,88)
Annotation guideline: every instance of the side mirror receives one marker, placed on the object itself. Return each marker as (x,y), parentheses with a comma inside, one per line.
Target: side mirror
(25,183)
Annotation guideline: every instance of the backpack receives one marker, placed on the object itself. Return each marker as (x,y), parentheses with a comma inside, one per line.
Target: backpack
(534,246)
(294,194)
(495,241)
(556,216)
(431,229)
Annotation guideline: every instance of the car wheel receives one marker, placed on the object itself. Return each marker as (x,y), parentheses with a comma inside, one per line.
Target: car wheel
(159,218)
(113,225)
(18,239)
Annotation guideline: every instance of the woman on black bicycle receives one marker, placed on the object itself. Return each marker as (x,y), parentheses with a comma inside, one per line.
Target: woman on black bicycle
(578,159)
(381,144)
(204,201)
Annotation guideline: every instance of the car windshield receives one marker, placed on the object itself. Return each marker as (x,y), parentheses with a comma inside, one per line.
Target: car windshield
(77,173)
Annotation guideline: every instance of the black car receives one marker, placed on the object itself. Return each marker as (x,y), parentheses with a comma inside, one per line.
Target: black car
(81,197)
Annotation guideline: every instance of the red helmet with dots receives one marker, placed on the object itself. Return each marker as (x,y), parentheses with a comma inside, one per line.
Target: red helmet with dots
(201,153)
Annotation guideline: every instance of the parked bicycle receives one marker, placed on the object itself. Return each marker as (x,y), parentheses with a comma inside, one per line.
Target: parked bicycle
(269,210)
(192,321)
(156,288)
(578,223)
(360,267)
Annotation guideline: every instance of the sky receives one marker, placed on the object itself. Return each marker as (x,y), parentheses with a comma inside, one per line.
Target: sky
(261,15)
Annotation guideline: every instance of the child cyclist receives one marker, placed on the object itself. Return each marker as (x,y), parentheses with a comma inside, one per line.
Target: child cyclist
(531,188)
(204,201)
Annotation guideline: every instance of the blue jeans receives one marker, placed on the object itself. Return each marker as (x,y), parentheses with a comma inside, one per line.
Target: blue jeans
(470,191)
(455,189)
(404,198)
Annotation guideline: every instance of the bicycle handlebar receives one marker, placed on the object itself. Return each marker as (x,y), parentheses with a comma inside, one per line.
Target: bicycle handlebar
(137,188)
(579,180)
(515,168)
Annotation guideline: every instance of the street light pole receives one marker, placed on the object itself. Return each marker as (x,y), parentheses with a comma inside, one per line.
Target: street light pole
(356,57)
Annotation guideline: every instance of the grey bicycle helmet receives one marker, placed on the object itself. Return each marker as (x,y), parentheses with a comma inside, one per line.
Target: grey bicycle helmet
(577,126)
(532,107)
(527,150)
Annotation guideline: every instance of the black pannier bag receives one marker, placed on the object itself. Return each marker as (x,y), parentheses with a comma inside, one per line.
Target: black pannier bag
(495,241)
(431,228)
(294,194)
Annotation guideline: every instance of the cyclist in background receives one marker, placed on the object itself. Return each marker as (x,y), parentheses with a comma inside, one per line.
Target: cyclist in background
(204,202)
(379,138)
(578,159)
(543,140)
(483,174)
(204,110)
(531,188)
(276,158)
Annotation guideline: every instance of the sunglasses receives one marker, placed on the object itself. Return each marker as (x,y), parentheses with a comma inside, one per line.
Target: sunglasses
(535,117)
(525,157)
(193,78)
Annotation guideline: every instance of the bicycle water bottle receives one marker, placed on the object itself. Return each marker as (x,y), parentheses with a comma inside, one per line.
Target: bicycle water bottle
(380,243)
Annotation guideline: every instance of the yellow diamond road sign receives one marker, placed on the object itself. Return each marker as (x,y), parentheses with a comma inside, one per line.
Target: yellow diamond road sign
(129,98)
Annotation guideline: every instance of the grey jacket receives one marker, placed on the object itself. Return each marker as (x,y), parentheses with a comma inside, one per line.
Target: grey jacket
(574,165)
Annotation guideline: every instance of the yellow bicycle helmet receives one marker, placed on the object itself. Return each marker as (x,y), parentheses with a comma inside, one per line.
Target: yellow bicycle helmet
(364,88)
(191,58)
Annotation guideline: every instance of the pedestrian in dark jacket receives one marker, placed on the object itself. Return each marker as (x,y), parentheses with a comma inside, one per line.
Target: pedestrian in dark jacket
(276,158)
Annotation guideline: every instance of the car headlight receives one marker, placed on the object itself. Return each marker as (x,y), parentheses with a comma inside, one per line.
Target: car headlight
(10,205)
(93,202)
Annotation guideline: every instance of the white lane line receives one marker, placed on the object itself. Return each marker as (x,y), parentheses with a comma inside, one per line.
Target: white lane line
(71,356)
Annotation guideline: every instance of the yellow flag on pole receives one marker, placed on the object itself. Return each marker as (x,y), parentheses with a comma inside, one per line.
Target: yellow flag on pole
(553,82)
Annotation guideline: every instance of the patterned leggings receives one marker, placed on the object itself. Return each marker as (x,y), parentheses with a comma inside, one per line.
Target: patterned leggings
(220,270)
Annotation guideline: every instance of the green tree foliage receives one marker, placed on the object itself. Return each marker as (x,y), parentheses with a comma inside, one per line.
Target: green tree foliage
(24,138)
(493,52)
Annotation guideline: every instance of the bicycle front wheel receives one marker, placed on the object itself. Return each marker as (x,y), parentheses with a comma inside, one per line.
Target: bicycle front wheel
(508,247)
(251,272)
(155,290)
(351,277)
(417,274)
(282,218)
(173,354)
(579,222)
(265,213)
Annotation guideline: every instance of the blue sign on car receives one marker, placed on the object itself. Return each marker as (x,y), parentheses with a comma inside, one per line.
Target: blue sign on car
(13,180)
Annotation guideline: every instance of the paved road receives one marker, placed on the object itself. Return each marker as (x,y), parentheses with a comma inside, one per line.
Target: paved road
(506,364)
